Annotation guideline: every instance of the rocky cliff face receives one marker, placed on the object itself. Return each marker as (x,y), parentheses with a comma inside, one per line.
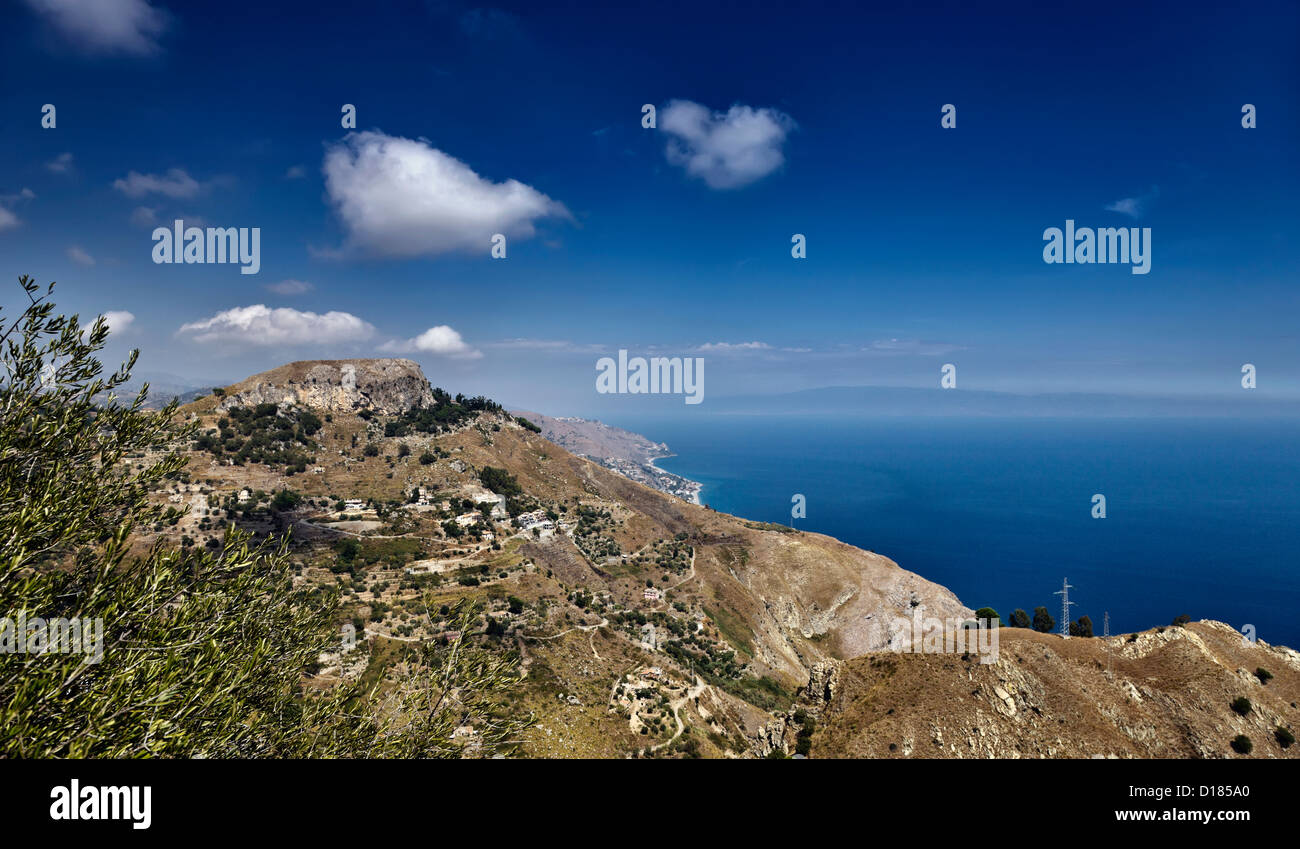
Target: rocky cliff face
(387,386)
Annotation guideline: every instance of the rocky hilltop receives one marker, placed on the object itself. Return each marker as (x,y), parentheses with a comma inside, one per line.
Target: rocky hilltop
(387,386)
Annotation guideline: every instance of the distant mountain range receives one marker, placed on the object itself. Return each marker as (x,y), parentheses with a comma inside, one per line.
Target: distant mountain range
(164,387)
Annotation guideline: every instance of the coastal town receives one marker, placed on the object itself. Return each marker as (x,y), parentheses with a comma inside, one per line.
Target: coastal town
(629,454)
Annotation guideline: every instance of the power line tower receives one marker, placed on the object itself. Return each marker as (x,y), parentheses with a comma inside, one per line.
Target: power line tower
(1064,593)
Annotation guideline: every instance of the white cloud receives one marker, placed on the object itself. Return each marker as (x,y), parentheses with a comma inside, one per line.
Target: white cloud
(1135,207)
(105,26)
(80,257)
(725,347)
(441,340)
(60,164)
(295,172)
(118,320)
(726,150)
(260,325)
(290,287)
(401,197)
(7,219)
(144,216)
(176,183)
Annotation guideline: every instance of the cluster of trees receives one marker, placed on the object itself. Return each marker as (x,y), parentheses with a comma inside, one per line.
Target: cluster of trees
(204,652)
(1042,621)
(500,481)
(263,434)
(446,413)
(503,483)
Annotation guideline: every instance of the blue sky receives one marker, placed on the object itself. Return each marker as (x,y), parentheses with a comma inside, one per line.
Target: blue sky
(924,243)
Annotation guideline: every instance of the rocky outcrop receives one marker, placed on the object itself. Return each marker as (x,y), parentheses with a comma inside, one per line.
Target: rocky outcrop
(387,386)
(771,738)
(823,682)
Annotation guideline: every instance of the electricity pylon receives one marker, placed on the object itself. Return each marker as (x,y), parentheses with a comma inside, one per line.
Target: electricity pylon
(1064,593)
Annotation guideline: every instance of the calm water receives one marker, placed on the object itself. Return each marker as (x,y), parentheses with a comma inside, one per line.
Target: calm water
(1203,517)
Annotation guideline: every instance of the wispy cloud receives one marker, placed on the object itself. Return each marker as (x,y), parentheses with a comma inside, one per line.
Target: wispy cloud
(290,287)
(263,326)
(176,183)
(728,347)
(727,150)
(78,255)
(61,164)
(105,26)
(563,346)
(295,172)
(911,346)
(8,219)
(144,216)
(1135,207)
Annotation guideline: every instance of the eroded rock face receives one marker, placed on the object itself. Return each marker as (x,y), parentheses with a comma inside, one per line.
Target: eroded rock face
(386,386)
(771,738)
(823,681)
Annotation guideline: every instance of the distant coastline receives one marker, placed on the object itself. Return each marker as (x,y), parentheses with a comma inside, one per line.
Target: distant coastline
(629,454)
(694,488)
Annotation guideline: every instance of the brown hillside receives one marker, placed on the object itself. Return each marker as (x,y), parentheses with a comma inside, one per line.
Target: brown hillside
(1167,694)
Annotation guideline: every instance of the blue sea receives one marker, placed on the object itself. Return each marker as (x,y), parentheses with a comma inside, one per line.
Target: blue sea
(1202,516)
